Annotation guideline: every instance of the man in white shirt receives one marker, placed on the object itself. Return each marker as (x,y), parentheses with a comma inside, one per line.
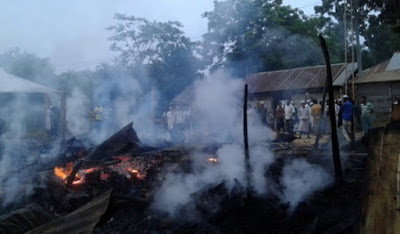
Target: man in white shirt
(304,119)
(170,119)
(289,112)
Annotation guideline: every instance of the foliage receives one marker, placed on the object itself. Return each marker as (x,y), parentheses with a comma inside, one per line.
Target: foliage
(260,35)
(376,20)
(157,53)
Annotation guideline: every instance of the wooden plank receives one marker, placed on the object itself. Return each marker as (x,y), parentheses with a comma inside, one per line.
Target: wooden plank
(380,212)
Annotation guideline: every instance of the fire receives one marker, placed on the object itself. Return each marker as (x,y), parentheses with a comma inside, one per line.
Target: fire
(213,160)
(125,167)
(63,172)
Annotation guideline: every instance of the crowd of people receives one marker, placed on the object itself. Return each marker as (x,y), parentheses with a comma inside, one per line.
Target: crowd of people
(312,118)
(309,118)
(176,120)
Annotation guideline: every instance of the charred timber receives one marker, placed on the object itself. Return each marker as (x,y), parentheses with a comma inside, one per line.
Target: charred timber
(121,142)
(335,143)
(246,141)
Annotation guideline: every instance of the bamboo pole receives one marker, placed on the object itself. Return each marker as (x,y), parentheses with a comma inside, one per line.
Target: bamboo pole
(246,141)
(335,143)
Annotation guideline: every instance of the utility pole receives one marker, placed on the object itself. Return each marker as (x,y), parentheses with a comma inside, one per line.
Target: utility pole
(352,50)
(356,21)
(345,41)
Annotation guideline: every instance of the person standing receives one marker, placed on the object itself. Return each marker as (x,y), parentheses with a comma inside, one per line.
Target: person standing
(337,110)
(263,114)
(295,118)
(304,119)
(316,112)
(280,118)
(339,113)
(347,117)
(308,107)
(170,119)
(289,113)
(366,115)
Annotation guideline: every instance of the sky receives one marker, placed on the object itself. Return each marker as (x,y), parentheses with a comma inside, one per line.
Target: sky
(72,32)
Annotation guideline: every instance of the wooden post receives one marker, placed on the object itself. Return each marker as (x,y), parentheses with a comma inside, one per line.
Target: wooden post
(63,117)
(335,144)
(246,141)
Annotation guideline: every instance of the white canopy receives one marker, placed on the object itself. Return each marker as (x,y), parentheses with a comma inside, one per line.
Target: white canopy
(14,84)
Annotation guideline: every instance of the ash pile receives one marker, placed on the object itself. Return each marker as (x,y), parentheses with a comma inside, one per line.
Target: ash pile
(123,186)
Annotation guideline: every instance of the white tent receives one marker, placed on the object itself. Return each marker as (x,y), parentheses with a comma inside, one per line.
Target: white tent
(14,84)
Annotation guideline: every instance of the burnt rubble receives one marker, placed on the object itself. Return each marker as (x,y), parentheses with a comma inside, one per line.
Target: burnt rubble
(114,184)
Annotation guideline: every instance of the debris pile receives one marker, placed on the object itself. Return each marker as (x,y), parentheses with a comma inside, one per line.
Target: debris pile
(110,189)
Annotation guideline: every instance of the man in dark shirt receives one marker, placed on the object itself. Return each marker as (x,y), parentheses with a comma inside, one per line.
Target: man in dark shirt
(263,114)
(347,117)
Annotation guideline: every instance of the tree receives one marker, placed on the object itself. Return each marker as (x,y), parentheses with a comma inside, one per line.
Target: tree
(376,20)
(28,66)
(261,35)
(157,53)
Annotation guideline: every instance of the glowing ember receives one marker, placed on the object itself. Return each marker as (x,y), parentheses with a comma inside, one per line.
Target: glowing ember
(134,171)
(62,172)
(213,160)
(125,167)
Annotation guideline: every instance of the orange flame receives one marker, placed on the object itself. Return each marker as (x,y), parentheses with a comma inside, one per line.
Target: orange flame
(213,160)
(125,167)
(62,172)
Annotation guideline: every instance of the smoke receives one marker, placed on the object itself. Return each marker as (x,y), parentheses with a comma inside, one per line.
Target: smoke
(300,179)
(217,112)
(18,114)
(77,113)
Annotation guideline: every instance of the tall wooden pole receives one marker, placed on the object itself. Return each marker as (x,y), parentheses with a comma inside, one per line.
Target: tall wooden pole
(357,24)
(63,117)
(335,143)
(345,41)
(246,142)
(352,49)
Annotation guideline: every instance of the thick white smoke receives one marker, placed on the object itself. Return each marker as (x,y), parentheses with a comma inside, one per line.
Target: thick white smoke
(122,100)
(218,118)
(77,113)
(15,159)
(300,179)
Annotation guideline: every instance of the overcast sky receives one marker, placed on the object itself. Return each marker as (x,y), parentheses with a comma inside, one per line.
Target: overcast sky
(72,32)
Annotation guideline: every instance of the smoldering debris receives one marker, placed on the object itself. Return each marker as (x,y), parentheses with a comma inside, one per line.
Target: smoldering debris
(180,190)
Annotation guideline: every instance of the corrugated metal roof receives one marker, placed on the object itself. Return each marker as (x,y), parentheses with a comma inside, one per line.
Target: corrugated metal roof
(394,63)
(15,84)
(341,79)
(386,71)
(297,78)
(385,76)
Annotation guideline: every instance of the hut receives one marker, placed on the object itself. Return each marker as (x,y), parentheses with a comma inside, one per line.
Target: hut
(275,86)
(13,86)
(381,84)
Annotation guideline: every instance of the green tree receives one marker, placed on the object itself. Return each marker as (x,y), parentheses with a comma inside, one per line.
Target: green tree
(261,35)
(376,20)
(157,53)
